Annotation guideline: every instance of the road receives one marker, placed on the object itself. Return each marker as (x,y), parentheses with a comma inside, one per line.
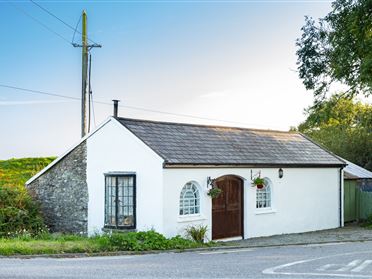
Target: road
(341,260)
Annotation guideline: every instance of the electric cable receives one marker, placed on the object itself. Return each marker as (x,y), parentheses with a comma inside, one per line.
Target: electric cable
(125,106)
(59,19)
(40,23)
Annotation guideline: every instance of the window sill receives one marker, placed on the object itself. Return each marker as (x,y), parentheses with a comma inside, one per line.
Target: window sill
(265,211)
(190,218)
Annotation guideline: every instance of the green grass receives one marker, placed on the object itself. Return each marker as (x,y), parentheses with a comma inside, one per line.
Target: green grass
(61,244)
(15,172)
(10,247)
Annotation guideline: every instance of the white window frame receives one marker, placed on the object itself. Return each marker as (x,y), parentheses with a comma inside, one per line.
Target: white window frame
(267,195)
(188,205)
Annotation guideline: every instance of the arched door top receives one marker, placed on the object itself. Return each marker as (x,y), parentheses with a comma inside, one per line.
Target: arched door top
(236,176)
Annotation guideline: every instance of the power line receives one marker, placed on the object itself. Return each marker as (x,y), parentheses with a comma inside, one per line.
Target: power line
(51,14)
(39,92)
(90,92)
(59,19)
(93,113)
(39,22)
(186,1)
(123,106)
(73,36)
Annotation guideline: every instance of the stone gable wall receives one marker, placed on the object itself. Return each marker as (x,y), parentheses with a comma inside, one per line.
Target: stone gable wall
(63,193)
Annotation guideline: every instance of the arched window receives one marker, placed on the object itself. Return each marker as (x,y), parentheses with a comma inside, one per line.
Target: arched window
(189,199)
(263,196)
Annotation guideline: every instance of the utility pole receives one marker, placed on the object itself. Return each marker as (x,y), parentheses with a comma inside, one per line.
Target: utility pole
(84,75)
(85,46)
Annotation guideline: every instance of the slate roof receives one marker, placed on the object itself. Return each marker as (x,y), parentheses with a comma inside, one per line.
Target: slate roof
(353,171)
(189,144)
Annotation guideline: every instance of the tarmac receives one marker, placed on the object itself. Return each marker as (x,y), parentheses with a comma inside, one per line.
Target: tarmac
(349,233)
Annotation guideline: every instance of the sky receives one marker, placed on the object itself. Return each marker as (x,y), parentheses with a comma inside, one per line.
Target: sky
(229,63)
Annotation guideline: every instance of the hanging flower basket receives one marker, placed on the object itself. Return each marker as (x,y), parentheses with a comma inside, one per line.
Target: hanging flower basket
(214,192)
(259,182)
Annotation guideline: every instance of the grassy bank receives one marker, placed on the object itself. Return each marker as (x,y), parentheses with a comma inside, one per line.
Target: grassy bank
(133,241)
(22,230)
(15,172)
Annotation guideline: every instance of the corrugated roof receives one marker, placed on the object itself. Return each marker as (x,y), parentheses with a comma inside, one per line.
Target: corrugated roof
(179,143)
(353,171)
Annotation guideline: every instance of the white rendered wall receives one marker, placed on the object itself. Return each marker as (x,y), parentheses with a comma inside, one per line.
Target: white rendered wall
(114,149)
(305,199)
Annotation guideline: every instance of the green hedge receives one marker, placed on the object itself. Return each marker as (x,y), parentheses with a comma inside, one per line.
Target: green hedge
(19,214)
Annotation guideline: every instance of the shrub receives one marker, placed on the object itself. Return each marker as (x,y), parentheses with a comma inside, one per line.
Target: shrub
(19,214)
(197,233)
(367,223)
(369,219)
(141,241)
(179,242)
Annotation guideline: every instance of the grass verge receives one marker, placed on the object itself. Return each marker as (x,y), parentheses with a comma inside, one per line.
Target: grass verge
(61,244)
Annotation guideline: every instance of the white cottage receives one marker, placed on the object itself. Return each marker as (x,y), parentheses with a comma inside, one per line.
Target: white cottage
(133,174)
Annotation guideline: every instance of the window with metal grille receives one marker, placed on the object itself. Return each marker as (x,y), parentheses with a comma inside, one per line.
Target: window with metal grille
(120,201)
(263,196)
(189,199)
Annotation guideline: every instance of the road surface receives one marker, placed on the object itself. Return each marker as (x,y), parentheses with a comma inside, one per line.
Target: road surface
(340,260)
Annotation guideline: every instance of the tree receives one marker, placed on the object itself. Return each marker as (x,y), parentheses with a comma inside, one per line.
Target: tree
(338,49)
(344,127)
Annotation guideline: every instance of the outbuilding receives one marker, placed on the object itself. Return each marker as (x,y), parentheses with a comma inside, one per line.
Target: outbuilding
(357,193)
(131,174)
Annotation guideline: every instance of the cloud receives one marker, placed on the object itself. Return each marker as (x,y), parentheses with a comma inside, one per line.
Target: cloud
(216,94)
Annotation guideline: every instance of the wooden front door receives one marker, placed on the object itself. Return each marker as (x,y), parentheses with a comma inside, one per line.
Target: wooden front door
(227,208)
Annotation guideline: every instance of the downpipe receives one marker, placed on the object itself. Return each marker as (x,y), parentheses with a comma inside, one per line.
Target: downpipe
(341,197)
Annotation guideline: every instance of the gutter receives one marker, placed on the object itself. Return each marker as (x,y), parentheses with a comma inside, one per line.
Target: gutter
(251,165)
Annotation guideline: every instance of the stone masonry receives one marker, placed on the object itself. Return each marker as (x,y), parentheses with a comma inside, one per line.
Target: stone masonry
(63,193)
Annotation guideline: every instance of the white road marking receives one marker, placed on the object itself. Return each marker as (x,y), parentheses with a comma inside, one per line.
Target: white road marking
(325,267)
(226,251)
(340,267)
(276,269)
(94,258)
(322,274)
(350,265)
(362,266)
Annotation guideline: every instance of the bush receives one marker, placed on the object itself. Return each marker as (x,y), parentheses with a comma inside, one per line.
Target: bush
(19,214)
(367,223)
(141,241)
(197,233)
